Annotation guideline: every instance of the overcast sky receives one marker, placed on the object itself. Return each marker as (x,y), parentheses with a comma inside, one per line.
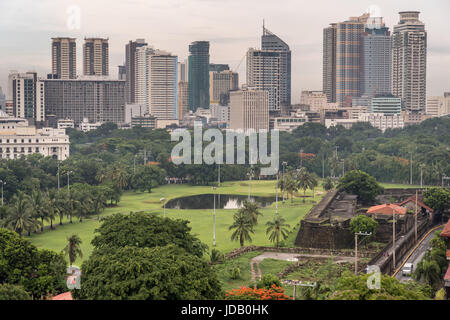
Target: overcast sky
(231,26)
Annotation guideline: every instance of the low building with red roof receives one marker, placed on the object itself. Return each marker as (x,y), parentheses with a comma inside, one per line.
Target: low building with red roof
(410,204)
(387,209)
(63,296)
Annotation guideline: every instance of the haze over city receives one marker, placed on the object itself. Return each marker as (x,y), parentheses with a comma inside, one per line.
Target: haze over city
(231,26)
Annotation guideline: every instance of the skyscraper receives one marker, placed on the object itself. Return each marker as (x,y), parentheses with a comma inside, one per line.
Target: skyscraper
(329,62)
(249,110)
(198,75)
(376,59)
(27,96)
(95,57)
(163,96)
(409,62)
(220,85)
(130,53)
(342,59)
(64,58)
(270,41)
(264,73)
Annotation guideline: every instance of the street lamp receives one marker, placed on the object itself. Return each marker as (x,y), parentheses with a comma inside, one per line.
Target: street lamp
(276,197)
(356,247)
(68,180)
(284,164)
(393,235)
(163,200)
(3,183)
(214,219)
(58,175)
(250,175)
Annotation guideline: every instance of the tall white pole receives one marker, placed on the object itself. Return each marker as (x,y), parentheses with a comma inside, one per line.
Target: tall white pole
(415,220)
(276,197)
(356,253)
(393,236)
(214,219)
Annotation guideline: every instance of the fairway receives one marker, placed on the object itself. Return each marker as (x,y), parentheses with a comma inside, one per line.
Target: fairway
(201,221)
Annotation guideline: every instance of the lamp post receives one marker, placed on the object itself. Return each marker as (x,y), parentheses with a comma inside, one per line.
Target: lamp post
(68,180)
(301,158)
(214,219)
(250,174)
(284,164)
(356,248)
(3,183)
(163,200)
(58,175)
(218,176)
(276,197)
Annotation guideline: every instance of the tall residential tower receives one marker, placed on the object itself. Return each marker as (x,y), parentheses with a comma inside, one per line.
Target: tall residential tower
(95,57)
(64,58)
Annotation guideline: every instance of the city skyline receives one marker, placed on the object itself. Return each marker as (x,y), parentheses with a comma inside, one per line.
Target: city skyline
(26,45)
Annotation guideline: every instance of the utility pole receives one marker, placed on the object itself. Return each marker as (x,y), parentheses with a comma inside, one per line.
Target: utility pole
(296,283)
(214,219)
(421,176)
(301,158)
(323,166)
(68,180)
(219,176)
(343,167)
(393,236)
(410,170)
(415,220)
(282,179)
(276,197)
(58,175)
(3,183)
(356,248)
(250,174)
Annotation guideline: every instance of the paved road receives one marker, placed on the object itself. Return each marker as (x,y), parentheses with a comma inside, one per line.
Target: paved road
(417,256)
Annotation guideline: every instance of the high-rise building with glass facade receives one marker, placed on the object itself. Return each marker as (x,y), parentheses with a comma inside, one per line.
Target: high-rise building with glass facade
(270,41)
(376,59)
(409,62)
(198,75)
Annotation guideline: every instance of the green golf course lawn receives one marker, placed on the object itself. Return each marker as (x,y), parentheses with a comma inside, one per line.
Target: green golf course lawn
(201,221)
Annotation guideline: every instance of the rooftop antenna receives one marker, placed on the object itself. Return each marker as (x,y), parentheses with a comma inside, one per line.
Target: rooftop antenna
(264,28)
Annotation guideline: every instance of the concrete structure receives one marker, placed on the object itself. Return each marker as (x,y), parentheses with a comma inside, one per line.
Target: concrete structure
(217,67)
(271,42)
(96,57)
(134,110)
(376,59)
(249,110)
(146,121)
(65,124)
(411,119)
(130,54)
(387,105)
(329,62)
(317,100)
(99,99)
(64,58)
(27,96)
(122,75)
(409,62)
(2,100)
(264,73)
(182,71)
(346,123)
(198,75)
(87,126)
(17,139)
(382,121)
(289,123)
(220,84)
(438,106)
(221,113)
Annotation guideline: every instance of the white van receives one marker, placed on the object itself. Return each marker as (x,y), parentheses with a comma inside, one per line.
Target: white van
(407,269)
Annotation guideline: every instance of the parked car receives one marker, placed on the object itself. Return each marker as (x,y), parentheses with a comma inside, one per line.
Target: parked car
(407,269)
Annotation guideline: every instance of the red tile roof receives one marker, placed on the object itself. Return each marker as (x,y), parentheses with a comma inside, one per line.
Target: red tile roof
(63,296)
(387,209)
(447,274)
(446,231)
(419,203)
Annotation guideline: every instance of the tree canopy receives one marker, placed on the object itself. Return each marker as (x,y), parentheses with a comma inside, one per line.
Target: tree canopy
(361,184)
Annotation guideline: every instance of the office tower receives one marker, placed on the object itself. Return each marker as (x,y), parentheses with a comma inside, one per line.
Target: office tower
(263,73)
(386,104)
(163,96)
(183,99)
(64,58)
(220,84)
(409,62)
(270,41)
(27,96)
(130,53)
(198,75)
(249,110)
(95,98)
(376,59)
(218,67)
(182,72)
(329,62)
(141,76)
(95,57)
(122,75)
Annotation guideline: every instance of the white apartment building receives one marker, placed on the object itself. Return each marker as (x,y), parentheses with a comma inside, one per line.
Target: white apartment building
(17,139)
(316,100)
(87,126)
(438,106)
(382,121)
(27,94)
(221,113)
(249,110)
(65,124)
(290,123)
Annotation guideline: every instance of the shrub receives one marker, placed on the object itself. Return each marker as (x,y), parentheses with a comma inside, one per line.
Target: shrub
(245,293)
(267,281)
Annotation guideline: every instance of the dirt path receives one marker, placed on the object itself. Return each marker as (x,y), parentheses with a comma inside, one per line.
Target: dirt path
(293,257)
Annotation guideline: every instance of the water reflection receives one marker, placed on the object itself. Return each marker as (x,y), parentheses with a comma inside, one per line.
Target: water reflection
(223,201)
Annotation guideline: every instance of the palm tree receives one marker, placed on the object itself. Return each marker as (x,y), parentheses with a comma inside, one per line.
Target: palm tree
(20,217)
(289,185)
(73,249)
(276,228)
(119,177)
(305,181)
(334,165)
(242,226)
(53,209)
(428,270)
(85,204)
(98,203)
(328,184)
(250,209)
(38,204)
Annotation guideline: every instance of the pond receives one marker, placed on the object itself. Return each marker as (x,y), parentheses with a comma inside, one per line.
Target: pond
(223,201)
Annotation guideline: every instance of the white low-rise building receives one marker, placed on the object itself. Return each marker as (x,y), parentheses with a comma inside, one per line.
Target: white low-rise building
(65,124)
(382,121)
(86,126)
(17,139)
